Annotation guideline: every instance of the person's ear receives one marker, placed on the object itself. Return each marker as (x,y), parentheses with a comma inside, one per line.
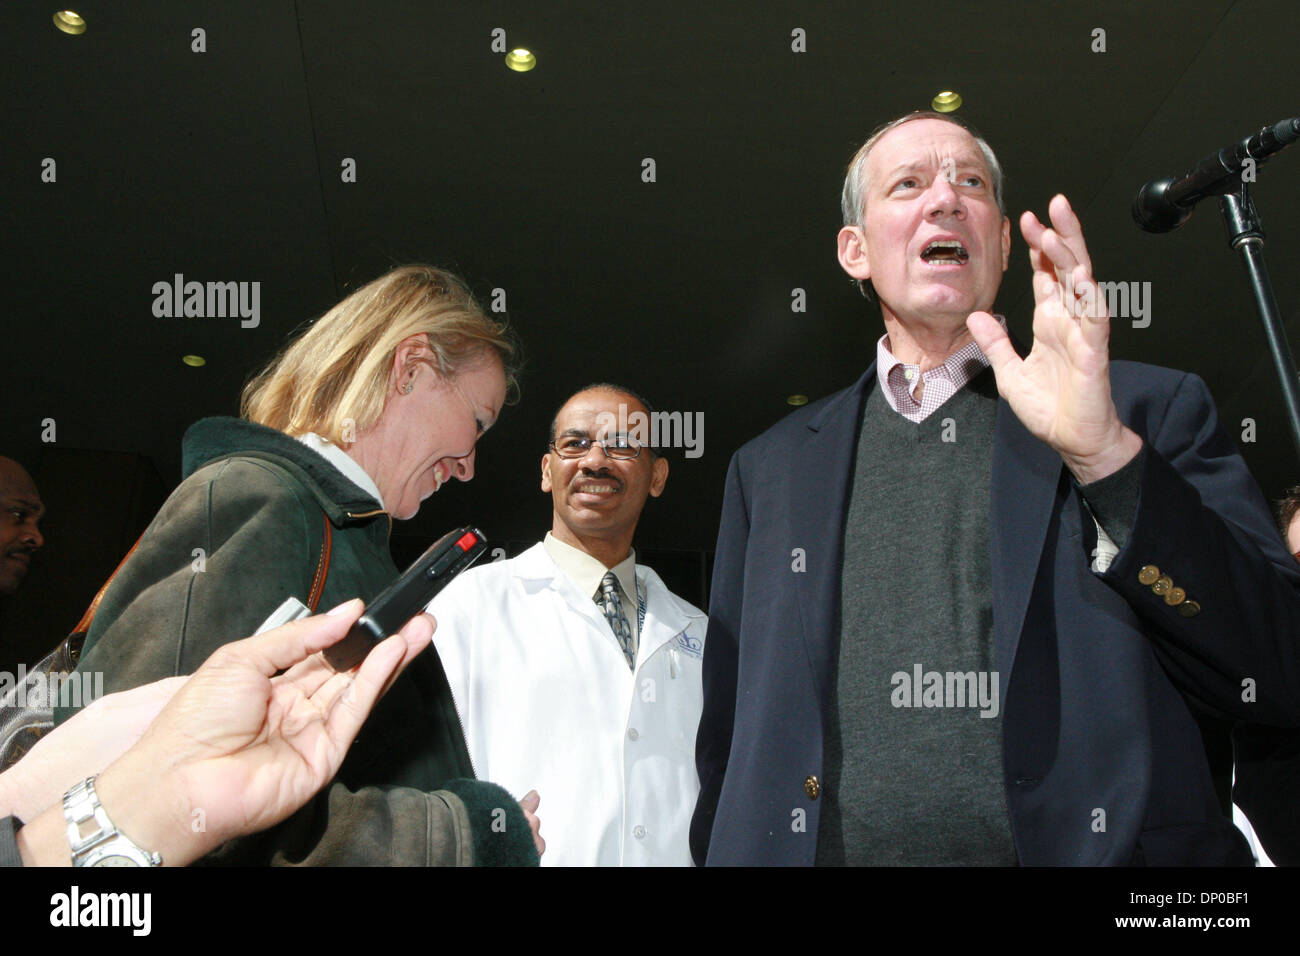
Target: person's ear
(658,476)
(852,248)
(546,473)
(1006,243)
(852,245)
(412,354)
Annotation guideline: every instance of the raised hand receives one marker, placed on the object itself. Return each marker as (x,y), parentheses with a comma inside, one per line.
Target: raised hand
(1061,390)
(241,746)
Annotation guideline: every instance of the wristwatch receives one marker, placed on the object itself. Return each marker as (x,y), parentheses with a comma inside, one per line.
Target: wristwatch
(103,844)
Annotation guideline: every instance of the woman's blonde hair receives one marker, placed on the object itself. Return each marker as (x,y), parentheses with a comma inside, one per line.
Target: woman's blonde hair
(337,373)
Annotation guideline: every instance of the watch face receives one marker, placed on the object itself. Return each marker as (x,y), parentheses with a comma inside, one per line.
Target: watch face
(115,860)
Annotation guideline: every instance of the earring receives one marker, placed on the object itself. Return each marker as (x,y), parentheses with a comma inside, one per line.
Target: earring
(407,389)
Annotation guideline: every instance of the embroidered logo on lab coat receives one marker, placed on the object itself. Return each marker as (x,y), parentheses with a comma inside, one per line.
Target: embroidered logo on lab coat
(691,645)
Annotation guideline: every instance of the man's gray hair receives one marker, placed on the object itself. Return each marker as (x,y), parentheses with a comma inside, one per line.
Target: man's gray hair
(854,192)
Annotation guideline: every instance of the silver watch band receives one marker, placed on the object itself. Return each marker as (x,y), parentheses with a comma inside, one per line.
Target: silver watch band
(94,840)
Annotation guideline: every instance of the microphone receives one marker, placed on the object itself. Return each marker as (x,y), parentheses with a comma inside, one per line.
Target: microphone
(1163,205)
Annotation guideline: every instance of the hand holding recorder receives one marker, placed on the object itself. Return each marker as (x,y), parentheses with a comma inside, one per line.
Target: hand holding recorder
(409,594)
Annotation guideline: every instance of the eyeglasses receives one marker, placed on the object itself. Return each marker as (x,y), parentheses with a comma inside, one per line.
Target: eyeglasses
(619,447)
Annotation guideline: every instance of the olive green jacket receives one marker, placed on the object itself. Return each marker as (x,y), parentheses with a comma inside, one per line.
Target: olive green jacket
(240,534)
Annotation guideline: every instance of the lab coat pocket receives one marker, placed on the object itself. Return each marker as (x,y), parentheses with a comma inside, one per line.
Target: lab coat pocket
(681,696)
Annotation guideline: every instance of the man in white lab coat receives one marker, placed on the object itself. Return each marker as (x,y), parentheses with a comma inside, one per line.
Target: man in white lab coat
(575,671)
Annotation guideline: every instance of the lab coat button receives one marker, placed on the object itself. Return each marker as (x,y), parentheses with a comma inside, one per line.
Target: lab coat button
(812,786)
(632,734)
(1149,574)
(638,831)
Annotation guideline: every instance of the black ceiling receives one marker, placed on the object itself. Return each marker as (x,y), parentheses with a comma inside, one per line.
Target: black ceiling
(225,165)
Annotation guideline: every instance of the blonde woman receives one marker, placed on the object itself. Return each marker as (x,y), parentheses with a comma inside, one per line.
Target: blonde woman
(358,420)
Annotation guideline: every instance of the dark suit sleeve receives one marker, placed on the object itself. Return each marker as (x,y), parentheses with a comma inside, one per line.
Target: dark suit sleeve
(1202,521)
(9,855)
(721,653)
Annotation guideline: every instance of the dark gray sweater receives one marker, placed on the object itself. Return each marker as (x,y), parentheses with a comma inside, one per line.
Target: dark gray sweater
(913,749)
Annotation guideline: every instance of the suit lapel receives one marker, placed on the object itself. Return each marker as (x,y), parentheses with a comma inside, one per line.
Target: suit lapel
(819,508)
(1026,474)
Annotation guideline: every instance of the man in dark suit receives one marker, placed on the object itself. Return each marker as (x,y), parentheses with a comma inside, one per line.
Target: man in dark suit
(980,619)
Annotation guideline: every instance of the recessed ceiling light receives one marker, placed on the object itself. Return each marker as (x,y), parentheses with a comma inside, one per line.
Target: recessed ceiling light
(520,60)
(194,361)
(797,400)
(70,22)
(946,102)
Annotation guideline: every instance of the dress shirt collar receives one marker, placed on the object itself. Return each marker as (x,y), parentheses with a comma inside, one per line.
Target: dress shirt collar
(586,572)
(898,381)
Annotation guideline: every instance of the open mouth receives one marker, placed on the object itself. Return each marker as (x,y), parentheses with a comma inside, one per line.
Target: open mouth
(596,487)
(948,251)
(440,475)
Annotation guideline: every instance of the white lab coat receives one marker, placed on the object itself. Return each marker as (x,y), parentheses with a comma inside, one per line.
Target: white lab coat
(548,703)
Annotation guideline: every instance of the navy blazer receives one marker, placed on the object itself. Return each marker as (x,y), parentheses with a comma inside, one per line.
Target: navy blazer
(1103,760)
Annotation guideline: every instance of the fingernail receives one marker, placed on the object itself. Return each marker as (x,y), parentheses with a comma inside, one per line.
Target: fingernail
(342,608)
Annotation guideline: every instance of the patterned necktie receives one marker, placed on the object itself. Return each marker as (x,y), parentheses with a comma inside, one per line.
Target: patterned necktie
(612,605)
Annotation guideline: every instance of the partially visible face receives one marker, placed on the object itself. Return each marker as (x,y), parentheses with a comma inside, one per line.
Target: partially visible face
(596,496)
(933,240)
(1293,534)
(20,536)
(442,420)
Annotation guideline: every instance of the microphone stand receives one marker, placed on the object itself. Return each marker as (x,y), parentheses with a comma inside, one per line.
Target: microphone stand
(1246,235)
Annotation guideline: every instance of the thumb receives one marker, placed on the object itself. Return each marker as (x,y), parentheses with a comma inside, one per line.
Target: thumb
(993,342)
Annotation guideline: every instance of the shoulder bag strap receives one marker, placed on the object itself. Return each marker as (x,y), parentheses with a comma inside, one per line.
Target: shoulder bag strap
(70,650)
(322,565)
